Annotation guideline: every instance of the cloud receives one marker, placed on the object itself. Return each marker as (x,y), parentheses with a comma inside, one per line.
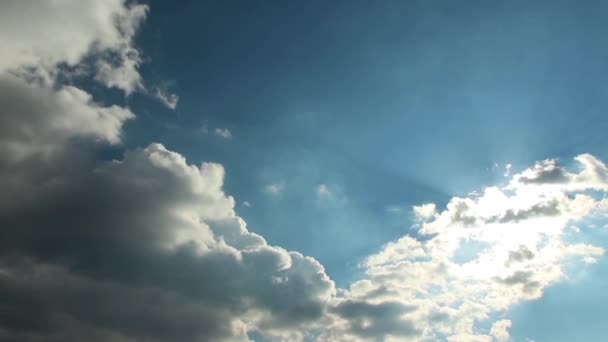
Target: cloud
(425,211)
(149,247)
(526,251)
(42,119)
(394,209)
(508,168)
(187,247)
(549,174)
(120,71)
(274,188)
(223,132)
(170,100)
(501,330)
(323,192)
(520,255)
(146,247)
(376,320)
(71,31)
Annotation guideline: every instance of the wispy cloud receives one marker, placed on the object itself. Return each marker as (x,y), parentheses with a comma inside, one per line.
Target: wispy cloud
(168,99)
(275,188)
(323,192)
(223,132)
(508,168)
(393,209)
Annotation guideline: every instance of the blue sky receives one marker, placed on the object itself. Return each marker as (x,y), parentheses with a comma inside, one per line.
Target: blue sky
(393,104)
(333,122)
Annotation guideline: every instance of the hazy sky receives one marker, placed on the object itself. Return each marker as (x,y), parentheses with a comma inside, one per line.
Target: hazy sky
(303,170)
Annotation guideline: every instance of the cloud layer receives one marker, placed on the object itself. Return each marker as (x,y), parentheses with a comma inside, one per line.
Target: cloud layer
(149,247)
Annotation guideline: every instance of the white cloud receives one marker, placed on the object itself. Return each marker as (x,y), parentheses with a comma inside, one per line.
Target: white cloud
(501,330)
(548,174)
(425,211)
(247,203)
(122,73)
(170,100)
(508,168)
(223,132)
(323,192)
(524,251)
(41,114)
(70,31)
(42,119)
(274,188)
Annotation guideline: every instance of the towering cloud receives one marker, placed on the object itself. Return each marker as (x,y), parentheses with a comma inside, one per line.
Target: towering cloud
(147,247)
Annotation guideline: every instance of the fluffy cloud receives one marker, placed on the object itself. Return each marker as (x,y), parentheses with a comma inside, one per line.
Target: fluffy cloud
(425,211)
(501,330)
(70,31)
(515,237)
(147,247)
(187,245)
(42,119)
(548,174)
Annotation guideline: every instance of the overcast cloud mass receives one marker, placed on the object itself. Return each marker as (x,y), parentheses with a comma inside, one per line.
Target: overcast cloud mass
(147,244)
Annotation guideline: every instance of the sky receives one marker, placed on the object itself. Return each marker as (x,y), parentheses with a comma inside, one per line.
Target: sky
(303,171)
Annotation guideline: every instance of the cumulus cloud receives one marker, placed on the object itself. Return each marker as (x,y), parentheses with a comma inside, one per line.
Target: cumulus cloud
(38,119)
(425,211)
(501,330)
(149,247)
(548,173)
(521,227)
(70,31)
(187,246)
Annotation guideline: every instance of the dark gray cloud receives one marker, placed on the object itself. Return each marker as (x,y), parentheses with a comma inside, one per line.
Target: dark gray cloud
(520,255)
(377,320)
(151,221)
(525,279)
(544,209)
(143,248)
(546,172)
(593,174)
(48,302)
